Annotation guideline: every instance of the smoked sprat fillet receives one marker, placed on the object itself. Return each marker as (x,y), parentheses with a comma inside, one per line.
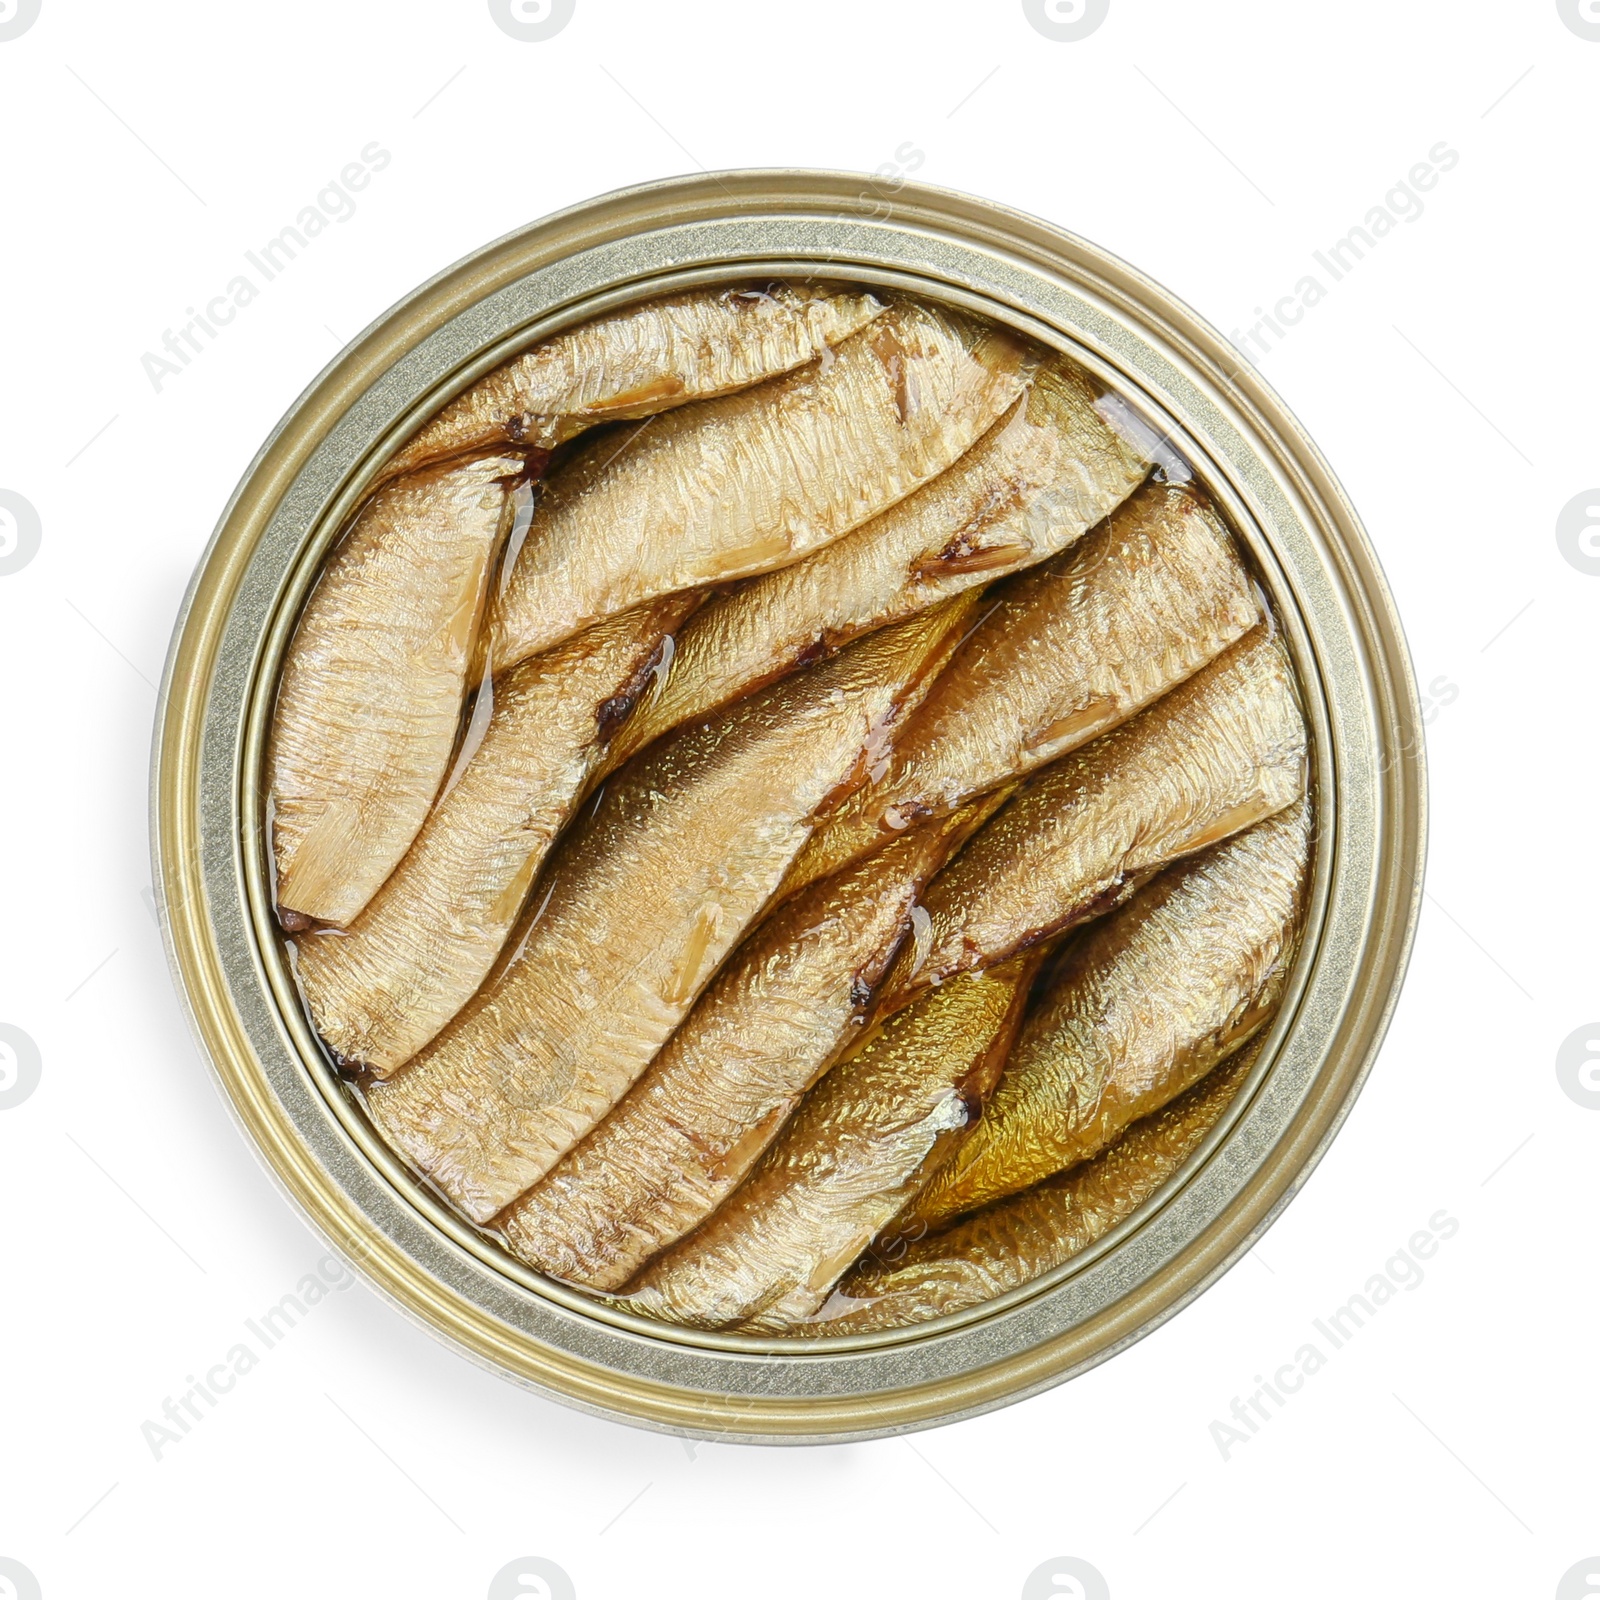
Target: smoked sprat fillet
(1141,1007)
(1223,750)
(636,362)
(371,692)
(638,908)
(859,1145)
(794,994)
(382,988)
(1011,1243)
(1037,481)
(1068,650)
(725,488)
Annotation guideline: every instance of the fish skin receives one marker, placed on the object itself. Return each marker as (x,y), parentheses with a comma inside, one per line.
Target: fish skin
(636,362)
(1141,1006)
(1072,647)
(1019,1239)
(602,971)
(380,989)
(860,1143)
(1035,483)
(787,1001)
(1219,753)
(725,488)
(370,697)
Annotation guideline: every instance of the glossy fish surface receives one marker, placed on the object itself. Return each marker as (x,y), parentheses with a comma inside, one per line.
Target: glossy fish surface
(1015,1241)
(633,363)
(1141,1006)
(382,988)
(637,909)
(1070,649)
(1222,751)
(725,488)
(372,687)
(776,1016)
(1036,482)
(844,1164)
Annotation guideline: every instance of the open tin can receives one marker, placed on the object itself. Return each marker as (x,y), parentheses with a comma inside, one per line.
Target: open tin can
(214,872)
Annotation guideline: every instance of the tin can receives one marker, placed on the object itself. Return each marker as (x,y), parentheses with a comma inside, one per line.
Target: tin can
(1309,550)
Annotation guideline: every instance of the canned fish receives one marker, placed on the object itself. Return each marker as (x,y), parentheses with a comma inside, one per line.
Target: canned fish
(789,822)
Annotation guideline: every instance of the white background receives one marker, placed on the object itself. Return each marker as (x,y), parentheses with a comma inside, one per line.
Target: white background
(1448,1448)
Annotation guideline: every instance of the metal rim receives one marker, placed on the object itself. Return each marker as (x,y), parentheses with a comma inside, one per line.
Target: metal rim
(1341,627)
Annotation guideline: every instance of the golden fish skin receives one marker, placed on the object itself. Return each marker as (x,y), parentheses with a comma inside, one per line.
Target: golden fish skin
(638,908)
(383,987)
(845,1163)
(1144,1004)
(1071,648)
(794,994)
(371,693)
(1222,751)
(725,488)
(1009,1244)
(1036,482)
(633,363)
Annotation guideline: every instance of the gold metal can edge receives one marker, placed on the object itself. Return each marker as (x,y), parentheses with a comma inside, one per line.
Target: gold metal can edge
(1277,489)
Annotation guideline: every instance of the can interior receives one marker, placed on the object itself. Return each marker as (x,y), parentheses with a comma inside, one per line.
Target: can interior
(272,946)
